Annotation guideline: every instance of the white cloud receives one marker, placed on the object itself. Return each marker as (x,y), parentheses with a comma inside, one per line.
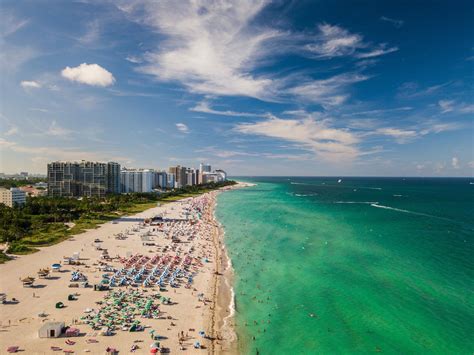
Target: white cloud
(453,106)
(455,163)
(204,107)
(133,59)
(55,130)
(327,92)
(334,41)
(307,133)
(471,164)
(26,84)
(436,127)
(216,48)
(92,33)
(446,105)
(182,127)
(377,52)
(395,22)
(10,23)
(11,131)
(211,48)
(90,74)
(400,135)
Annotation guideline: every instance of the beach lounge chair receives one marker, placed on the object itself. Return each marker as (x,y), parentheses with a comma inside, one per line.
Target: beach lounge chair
(13,349)
(70,342)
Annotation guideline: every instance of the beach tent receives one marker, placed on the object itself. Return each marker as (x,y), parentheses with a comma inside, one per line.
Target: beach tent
(51,330)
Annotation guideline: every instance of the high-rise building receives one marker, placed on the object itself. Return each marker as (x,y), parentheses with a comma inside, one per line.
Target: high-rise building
(192,177)
(11,197)
(137,180)
(113,178)
(203,169)
(83,179)
(80,179)
(171,180)
(160,180)
(180,175)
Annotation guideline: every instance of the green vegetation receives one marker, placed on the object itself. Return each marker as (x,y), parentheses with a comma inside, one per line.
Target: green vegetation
(8,183)
(44,221)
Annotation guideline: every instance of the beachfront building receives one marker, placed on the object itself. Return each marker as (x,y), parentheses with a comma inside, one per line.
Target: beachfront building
(203,168)
(171,180)
(160,180)
(180,175)
(82,179)
(12,197)
(137,180)
(217,175)
(113,178)
(222,173)
(192,177)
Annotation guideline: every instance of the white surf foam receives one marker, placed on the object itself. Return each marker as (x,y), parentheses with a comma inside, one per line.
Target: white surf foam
(406,211)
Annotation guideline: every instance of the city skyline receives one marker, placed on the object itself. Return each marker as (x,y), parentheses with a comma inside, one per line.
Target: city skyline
(258,88)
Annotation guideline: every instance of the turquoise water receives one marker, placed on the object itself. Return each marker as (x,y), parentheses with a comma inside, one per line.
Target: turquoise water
(361,266)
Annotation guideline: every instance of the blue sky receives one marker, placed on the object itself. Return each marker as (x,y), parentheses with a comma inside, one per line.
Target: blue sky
(256,88)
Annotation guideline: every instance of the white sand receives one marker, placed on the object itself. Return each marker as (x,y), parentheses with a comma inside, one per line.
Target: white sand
(20,322)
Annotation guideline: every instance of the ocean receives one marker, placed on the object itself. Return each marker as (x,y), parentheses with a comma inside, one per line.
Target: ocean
(360,265)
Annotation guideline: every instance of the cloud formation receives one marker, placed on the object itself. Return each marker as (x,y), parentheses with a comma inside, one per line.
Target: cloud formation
(26,84)
(182,127)
(307,133)
(394,22)
(334,41)
(204,107)
(89,74)
(327,92)
(217,48)
(208,47)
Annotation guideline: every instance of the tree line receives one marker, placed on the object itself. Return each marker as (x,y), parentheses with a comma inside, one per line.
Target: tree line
(22,221)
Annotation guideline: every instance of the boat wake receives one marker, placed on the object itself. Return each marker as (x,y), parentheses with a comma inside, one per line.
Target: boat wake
(409,212)
(358,202)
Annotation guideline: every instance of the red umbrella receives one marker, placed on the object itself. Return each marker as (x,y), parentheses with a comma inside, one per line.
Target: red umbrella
(154,350)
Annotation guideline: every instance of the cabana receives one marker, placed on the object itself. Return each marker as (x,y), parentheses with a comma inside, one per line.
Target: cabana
(51,330)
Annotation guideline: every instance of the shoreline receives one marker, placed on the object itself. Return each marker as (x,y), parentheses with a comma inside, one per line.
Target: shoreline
(222,317)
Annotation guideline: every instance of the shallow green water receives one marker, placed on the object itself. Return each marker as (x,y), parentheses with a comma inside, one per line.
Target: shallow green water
(361,266)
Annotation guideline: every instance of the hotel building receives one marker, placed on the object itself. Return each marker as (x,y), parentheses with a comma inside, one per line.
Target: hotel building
(82,179)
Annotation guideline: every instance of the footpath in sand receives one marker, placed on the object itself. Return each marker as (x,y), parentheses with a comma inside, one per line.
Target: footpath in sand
(184,253)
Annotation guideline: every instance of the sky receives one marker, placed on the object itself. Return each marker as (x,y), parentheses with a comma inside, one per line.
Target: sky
(368,88)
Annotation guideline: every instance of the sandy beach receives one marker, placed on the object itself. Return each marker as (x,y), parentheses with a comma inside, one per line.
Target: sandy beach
(177,266)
